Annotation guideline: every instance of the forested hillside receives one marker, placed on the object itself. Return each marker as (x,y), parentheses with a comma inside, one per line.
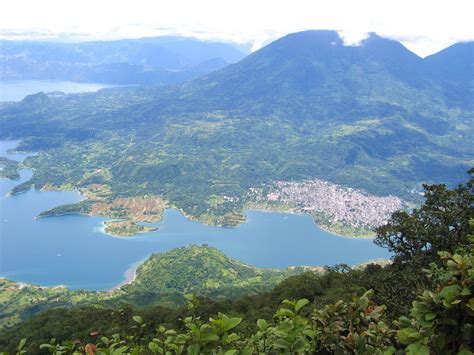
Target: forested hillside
(162,280)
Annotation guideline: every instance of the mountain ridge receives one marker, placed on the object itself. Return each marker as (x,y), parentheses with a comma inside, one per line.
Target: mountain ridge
(287,112)
(148,61)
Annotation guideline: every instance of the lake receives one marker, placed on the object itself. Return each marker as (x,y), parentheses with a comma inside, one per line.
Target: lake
(16,90)
(73,250)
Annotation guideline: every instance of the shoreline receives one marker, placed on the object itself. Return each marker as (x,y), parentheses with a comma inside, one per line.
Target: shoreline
(130,275)
(101,229)
(292,211)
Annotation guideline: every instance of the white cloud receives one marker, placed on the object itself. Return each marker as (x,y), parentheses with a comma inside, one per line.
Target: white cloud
(423,26)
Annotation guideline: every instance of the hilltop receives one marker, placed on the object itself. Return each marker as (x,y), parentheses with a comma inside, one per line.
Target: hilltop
(163,280)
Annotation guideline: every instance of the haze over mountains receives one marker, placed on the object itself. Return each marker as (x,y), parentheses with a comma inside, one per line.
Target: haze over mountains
(374,116)
(147,61)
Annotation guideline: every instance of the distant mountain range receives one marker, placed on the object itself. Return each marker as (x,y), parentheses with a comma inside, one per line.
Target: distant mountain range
(323,78)
(374,116)
(147,61)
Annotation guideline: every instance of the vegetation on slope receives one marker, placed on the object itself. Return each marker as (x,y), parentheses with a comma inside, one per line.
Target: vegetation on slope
(441,321)
(161,280)
(205,271)
(126,228)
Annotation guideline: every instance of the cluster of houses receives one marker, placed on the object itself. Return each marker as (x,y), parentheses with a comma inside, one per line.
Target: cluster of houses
(336,203)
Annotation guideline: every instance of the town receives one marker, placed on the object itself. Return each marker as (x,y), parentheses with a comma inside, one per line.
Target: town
(329,202)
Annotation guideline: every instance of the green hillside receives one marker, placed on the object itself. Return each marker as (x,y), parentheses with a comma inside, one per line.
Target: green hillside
(203,270)
(162,280)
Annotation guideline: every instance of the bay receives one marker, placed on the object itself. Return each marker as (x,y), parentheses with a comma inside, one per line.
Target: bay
(74,251)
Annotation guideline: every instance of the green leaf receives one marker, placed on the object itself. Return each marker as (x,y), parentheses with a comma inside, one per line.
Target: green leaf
(138,319)
(210,337)
(300,304)
(22,344)
(284,312)
(450,293)
(465,292)
(154,348)
(390,351)
(417,349)
(470,305)
(281,344)
(231,338)
(458,259)
(430,316)
(288,302)
(408,335)
(262,324)
(194,349)
(189,296)
(299,346)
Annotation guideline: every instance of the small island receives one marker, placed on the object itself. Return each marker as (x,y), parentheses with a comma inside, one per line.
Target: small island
(127,211)
(126,228)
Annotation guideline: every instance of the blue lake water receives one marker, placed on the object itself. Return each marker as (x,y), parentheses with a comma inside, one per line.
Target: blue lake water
(5,151)
(72,250)
(16,90)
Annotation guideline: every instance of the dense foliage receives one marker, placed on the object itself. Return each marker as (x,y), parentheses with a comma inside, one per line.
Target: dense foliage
(206,271)
(440,224)
(441,321)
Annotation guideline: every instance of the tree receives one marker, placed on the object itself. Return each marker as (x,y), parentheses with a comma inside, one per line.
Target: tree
(443,319)
(440,224)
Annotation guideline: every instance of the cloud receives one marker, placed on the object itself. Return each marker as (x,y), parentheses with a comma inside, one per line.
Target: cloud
(424,26)
(352,38)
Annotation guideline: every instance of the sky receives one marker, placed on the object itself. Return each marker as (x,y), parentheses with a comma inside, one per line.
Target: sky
(424,27)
